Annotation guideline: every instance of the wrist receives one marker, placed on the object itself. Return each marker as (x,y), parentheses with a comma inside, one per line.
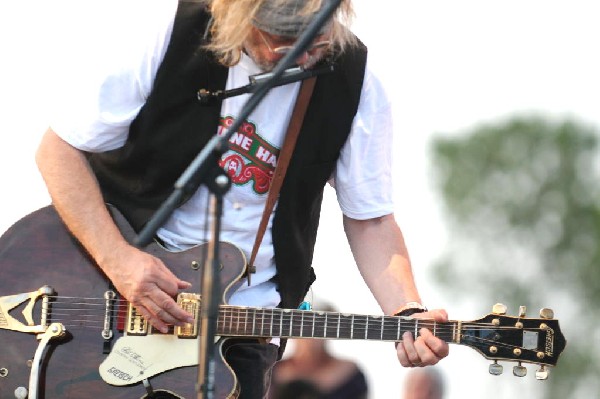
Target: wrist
(410,308)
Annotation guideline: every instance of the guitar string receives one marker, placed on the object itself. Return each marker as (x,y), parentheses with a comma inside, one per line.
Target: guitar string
(285,315)
(231,311)
(283,318)
(235,312)
(424,323)
(118,305)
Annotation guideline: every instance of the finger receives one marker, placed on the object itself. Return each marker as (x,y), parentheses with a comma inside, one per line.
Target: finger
(410,348)
(167,310)
(439,315)
(153,320)
(429,348)
(167,281)
(184,285)
(437,346)
(401,353)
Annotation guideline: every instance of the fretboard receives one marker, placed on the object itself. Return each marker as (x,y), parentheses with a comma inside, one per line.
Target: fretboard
(285,323)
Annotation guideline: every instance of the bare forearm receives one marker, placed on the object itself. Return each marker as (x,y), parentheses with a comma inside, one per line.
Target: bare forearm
(382,258)
(379,250)
(141,278)
(76,196)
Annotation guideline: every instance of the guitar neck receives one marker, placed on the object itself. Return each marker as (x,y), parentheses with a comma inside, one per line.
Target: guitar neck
(286,323)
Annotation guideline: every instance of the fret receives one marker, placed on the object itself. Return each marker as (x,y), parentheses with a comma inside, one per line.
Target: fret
(319,327)
(352,328)
(325,327)
(271,323)
(399,320)
(242,321)
(416,328)
(307,326)
(295,323)
(382,325)
(345,326)
(372,332)
(332,325)
(389,330)
(314,315)
(366,326)
(261,321)
(359,327)
(220,322)
(301,323)
(233,320)
(280,323)
(284,321)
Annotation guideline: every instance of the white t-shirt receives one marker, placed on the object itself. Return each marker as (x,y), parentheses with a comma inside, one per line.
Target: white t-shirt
(96,111)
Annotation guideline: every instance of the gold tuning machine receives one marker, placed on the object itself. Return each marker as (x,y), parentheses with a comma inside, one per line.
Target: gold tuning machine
(499,309)
(519,370)
(542,373)
(522,311)
(546,313)
(495,368)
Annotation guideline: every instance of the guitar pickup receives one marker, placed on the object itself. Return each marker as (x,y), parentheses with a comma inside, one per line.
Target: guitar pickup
(136,323)
(191,304)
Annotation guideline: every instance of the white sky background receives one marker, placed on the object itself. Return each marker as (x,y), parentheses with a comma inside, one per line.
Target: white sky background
(447,65)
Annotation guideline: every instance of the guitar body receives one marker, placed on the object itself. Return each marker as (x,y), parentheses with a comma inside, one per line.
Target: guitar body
(39,251)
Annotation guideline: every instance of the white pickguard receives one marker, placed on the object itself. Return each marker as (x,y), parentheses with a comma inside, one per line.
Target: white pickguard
(135,358)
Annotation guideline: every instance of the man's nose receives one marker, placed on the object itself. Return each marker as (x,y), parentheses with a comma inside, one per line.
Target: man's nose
(303,58)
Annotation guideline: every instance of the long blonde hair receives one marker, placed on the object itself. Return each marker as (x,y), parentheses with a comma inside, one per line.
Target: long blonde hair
(232,23)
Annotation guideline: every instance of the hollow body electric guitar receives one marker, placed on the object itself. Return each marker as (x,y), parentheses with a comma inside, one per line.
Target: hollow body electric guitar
(66,334)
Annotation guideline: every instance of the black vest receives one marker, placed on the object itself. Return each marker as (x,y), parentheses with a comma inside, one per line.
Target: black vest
(172,128)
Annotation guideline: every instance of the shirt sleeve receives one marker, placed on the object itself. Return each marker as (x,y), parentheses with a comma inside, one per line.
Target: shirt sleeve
(363,175)
(110,71)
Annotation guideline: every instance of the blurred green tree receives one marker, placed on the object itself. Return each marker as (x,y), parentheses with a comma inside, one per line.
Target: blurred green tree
(522,197)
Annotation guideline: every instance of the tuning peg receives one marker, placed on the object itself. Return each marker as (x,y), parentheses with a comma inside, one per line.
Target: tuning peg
(546,313)
(542,373)
(499,308)
(519,370)
(496,369)
(522,311)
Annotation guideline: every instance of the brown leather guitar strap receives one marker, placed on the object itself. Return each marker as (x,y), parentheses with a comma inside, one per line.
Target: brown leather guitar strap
(283,161)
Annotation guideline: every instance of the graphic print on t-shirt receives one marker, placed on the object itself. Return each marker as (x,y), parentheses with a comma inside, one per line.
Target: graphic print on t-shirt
(251,158)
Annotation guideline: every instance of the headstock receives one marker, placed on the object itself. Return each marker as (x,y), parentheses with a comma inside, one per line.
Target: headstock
(516,338)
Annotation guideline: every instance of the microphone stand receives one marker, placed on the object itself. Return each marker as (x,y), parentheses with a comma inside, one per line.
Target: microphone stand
(289,76)
(204,168)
